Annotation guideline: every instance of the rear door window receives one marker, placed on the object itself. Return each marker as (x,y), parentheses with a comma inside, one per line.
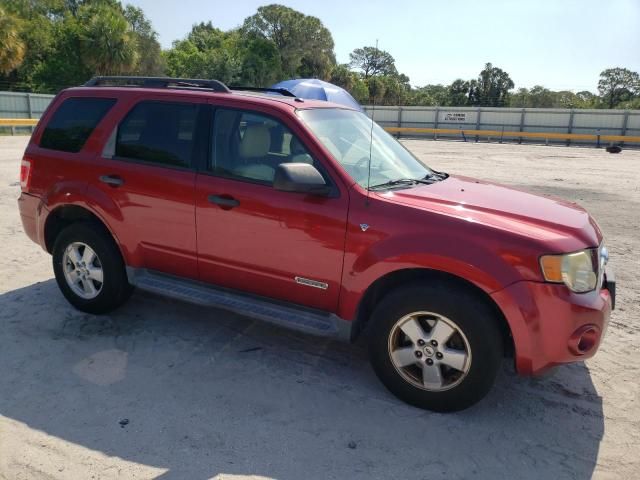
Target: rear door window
(73,122)
(158,132)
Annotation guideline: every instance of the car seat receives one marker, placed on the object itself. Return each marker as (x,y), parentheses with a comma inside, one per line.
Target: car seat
(253,154)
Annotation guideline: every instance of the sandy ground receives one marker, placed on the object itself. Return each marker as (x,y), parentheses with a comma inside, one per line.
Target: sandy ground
(211,394)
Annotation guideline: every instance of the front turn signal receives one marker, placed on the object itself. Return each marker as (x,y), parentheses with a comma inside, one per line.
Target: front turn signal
(552,268)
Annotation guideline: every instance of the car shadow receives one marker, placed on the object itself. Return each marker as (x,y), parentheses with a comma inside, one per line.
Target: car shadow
(195,393)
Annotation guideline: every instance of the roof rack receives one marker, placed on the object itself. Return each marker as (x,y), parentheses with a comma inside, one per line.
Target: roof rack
(157,82)
(282,91)
(171,82)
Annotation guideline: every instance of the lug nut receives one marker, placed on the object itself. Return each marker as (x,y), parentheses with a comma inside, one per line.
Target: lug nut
(421,342)
(429,361)
(438,355)
(434,343)
(418,354)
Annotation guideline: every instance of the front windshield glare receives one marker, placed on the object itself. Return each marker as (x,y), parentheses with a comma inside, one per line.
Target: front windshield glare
(347,135)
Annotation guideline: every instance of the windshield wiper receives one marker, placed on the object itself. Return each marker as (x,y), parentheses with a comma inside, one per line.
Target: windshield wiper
(401,182)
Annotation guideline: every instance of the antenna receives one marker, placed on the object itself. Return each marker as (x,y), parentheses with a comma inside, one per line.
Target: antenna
(373,114)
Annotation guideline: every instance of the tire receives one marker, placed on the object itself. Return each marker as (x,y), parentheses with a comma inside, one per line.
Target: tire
(71,244)
(452,308)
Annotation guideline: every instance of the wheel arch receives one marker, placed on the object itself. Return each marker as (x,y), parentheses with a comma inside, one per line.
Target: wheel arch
(64,215)
(398,278)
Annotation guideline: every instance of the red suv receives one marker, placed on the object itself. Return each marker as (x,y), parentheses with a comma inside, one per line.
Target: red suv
(308,215)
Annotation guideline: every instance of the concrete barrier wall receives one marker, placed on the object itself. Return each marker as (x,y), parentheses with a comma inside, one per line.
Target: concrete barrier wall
(468,123)
(23,105)
(562,125)
(17,107)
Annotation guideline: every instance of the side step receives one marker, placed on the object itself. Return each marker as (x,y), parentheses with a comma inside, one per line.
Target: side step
(298,318)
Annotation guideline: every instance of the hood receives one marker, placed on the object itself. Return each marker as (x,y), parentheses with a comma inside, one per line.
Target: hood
(478,201)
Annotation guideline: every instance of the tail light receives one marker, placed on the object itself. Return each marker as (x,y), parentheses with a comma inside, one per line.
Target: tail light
(25,173)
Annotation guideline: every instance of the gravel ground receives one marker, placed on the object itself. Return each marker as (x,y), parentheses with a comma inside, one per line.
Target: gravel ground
(162,389)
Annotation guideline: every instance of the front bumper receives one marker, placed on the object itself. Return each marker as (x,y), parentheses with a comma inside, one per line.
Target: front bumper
(551,325)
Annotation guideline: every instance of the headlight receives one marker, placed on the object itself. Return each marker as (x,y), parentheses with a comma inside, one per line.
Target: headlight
(579,270)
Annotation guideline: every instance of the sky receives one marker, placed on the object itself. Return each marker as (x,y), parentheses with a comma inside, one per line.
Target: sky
(561,44)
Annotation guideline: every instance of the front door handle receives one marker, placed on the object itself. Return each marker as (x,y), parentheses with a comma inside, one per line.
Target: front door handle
(225,202)
(113,180)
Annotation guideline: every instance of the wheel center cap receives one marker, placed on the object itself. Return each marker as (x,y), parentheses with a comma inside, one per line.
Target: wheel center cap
(428,351)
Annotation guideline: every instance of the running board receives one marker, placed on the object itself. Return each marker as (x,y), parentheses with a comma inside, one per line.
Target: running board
(294,317)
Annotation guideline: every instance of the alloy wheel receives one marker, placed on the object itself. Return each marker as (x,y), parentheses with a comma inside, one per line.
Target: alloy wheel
(82,270)
(429,351)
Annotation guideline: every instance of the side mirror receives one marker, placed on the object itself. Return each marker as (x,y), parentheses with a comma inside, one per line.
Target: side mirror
(300,178)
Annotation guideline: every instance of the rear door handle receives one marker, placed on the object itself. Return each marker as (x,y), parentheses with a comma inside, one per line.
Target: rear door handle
(228,202)
(113,180)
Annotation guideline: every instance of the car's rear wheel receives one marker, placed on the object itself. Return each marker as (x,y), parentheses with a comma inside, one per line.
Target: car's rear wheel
(89,269)
(437,347)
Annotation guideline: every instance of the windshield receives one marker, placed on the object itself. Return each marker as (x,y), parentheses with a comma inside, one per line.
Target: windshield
(347,135)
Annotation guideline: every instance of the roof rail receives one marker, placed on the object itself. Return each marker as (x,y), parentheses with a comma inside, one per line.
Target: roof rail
(282,91)
(157,82)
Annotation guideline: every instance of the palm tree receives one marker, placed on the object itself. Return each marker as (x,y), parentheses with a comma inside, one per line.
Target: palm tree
(13,47)
(108,45)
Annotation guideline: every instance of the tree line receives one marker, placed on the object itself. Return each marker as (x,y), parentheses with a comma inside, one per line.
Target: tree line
(48,45)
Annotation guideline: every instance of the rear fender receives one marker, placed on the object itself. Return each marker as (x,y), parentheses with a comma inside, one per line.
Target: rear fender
(89,198)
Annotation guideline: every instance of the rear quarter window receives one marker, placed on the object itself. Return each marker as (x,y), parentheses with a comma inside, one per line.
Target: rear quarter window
(73,122)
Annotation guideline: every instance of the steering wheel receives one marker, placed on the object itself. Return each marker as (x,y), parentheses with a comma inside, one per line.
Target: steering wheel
(359,170)
(362,164)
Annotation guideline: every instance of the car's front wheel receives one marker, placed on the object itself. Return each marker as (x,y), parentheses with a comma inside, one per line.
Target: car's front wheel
(89,269)
(437,347)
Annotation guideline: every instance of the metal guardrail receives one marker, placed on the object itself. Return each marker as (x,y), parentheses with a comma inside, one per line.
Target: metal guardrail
(19,111)
(23,105)
(535,125)
(12,123)
(497,134)
(18,122)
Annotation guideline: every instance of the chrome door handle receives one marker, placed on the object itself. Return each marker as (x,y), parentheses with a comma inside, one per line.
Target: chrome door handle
(113,180)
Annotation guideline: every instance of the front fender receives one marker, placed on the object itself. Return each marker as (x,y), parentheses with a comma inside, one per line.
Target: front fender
(464,257)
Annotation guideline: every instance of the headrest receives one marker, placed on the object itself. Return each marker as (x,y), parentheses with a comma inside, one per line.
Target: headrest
(255,142)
